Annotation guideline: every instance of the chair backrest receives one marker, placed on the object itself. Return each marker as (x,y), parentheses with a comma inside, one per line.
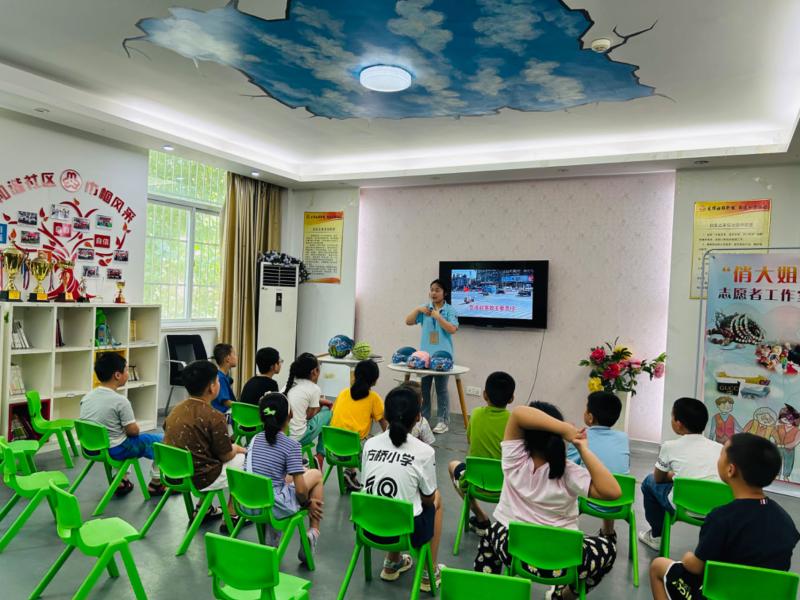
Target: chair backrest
(484,473)
(723,581)
(68,512)
(458,584)
(698,497)
(183,348)
(9,465)
(175,465)
(383,517)
(623,504)
(544,547)
(34,408)
(341,442)
(246,415)
(251,490)
(242,565)
(94,440)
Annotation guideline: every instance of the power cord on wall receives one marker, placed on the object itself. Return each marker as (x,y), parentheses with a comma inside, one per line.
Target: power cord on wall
(538,360)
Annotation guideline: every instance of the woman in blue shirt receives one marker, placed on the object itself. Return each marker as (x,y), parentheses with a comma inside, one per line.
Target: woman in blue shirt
(439,322)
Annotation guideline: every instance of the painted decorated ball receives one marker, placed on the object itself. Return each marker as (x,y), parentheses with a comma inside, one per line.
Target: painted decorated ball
(362,351)
(340,346)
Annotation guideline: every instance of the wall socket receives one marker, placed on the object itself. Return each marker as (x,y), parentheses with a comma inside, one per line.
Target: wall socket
(473,390)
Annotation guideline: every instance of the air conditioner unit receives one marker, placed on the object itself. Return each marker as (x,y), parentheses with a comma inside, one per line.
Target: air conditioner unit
(277,312)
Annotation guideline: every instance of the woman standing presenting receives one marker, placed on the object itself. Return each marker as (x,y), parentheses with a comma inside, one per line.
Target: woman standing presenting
(439,322)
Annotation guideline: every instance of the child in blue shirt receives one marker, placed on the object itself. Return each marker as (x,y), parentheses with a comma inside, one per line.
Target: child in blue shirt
(226,359)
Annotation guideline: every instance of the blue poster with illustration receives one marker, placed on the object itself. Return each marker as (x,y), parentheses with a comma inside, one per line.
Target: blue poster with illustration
(3,233)
(752,351)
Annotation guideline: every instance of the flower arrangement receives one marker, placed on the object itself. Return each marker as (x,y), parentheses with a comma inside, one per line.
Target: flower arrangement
(614,369)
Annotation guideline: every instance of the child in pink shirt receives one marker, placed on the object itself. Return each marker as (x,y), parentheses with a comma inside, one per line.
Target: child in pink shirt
(541,486)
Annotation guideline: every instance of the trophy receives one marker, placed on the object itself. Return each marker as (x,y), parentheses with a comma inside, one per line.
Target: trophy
(120,299)
(13,260)
(65,266)
(40,268)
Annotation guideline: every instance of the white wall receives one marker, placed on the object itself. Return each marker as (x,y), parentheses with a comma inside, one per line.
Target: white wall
(781,184)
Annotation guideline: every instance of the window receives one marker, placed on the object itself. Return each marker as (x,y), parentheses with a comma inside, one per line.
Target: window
(182,248)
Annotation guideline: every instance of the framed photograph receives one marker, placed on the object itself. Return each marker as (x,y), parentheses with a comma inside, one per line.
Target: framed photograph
(26,217)
(59,213)
(102,241)
(81,224)
(104,222)
(92,271)
(85,253)
(113,273)
(62,229)
(120,256)
(3,233)
(30,237)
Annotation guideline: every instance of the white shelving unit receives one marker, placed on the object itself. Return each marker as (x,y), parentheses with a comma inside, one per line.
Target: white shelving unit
(63,375)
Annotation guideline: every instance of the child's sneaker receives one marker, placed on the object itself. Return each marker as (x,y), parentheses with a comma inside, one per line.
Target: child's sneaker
(441,427)
(479,527)
(425,586)
(351,480)
(391,571)
(313,538)
(648,539)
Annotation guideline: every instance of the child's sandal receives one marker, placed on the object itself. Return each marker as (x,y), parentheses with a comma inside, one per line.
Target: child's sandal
(125,487)
(392,570)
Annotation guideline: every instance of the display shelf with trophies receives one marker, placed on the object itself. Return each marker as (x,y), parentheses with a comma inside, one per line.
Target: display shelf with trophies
(59,362)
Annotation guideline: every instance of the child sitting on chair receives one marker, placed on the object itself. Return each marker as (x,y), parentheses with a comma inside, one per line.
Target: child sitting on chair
(308,417)
(226,359)
(269,362)
(541,486)
(422,429)
(274,455)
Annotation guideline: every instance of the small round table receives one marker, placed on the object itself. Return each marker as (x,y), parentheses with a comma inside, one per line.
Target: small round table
(349,361)
(457,371)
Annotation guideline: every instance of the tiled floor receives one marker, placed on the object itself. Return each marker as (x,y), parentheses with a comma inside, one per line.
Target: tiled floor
(166,576)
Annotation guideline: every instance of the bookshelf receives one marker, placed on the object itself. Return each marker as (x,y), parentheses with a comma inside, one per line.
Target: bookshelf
(64,373)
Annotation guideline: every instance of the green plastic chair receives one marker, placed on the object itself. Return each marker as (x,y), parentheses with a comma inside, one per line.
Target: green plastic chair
(618,510)
(386,518)
(100,538)
(94,447)
(308,450)
(246,421)
(723,581)
(253,492)
(243,570)
(57,427)
(177,470)
(484,479)
(693,499)
(458,585)
(24,451)
(34,487)
(342,450)
(548,548)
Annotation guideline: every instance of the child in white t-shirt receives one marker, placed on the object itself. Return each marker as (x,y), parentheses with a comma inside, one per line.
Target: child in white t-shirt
(692,455)
(541,486)
(308,415)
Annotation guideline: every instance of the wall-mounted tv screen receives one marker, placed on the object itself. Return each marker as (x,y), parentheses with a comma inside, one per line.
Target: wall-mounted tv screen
(498,293)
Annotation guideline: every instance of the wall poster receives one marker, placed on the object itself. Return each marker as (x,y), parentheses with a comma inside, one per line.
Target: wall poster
(323,233)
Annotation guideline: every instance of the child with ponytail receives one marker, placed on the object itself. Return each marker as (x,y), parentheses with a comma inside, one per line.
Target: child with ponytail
(398,465)
(274,455)
(307,415)
(541,486)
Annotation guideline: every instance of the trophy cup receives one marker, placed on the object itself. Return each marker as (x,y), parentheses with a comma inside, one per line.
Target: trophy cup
(120,299)
(13,260)
(65,266)
(40,268)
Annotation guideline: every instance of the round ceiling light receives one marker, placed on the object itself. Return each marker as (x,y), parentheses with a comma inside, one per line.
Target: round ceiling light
(167,148)
(383,78)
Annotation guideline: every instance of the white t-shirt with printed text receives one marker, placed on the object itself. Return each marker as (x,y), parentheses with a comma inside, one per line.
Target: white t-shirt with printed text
(304,394)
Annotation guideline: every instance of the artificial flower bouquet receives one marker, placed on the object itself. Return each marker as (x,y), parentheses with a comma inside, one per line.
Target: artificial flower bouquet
(614,369)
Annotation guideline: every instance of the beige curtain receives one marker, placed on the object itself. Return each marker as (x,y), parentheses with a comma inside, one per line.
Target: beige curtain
(251,225)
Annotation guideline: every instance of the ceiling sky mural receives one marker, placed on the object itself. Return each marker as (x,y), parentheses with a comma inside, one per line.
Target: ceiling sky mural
(466,57)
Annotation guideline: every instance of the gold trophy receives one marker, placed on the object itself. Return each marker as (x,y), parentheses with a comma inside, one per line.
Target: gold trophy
(120,299)
(13,260)
(65,266)
(40,268)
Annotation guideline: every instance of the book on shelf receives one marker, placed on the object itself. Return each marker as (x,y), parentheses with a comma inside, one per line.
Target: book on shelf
(132,331)
(17,383)
(133,374)
(19,341)
(59,337)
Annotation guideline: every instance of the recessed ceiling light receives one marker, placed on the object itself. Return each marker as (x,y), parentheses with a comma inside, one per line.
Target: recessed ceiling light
(701,162)
(167,148)
(41,109)
(255,173)
(601,45)
(385,78)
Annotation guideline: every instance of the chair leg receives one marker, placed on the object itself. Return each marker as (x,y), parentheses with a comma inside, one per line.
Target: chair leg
(51,573)
(31,463)
(9,505)
(422,559)
(432,572)
(665,535)
(112,568)
(349,573)
(367,563)
(112,488)
(188,504)
(133,573)
(81,477)
(260,531)
(63,445)
(340,477)
(301,530)
(462,524)
(21,519)
(72,443)
(94,574)
(223,504)
(44,437)
(235,532)
(201,512)
(327,473)
(633,552)
(286,538)
(154,515)
(581,589)
(140,478)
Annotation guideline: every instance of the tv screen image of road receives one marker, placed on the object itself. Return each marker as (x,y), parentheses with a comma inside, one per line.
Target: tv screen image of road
(492,293)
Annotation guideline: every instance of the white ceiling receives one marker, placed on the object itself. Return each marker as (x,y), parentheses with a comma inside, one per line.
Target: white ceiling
(725,76)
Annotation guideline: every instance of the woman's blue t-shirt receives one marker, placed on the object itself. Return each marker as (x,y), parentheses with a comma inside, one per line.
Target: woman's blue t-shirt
(432,326)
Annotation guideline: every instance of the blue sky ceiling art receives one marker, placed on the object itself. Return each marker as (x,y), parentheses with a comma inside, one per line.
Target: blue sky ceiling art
(467,57)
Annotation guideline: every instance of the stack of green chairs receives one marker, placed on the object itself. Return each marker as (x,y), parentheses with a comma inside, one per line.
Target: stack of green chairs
(459,585)
(34,487)
(57,427)
(24,451)
(177,470)
(723,581)
(484,481)
(246,571)
(618,510)
(342,450)
(253,492)
(548,548)
(246,422)
(100,538)
(94,447)
(693,499)
(386,518)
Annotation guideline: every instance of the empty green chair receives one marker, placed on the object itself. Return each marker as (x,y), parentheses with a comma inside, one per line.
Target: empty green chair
(24,451)
(484,481)
(94,447)
(386,518)
(459,585)
(57,427)
(100,538)
(246,422)
(693,499)
(246,571)
(618,510)
(34,487)
(177,470)
(547,548)
(723,581)
(253,492)
(342,450)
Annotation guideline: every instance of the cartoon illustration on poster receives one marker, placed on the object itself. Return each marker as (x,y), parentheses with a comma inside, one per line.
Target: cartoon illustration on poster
(752,351)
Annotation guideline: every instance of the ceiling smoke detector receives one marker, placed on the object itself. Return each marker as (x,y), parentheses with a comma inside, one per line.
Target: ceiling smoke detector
(385,78)
(601,45)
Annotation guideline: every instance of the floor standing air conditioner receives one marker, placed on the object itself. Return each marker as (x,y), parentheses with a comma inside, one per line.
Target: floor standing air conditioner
(277,312)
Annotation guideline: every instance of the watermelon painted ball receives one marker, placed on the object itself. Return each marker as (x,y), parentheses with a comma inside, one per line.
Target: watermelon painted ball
(362,351)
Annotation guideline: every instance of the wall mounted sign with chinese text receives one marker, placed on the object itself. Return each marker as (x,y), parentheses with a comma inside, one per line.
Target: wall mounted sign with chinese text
(323,233)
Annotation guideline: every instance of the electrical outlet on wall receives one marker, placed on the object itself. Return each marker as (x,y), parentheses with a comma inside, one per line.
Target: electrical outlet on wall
(473,390)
